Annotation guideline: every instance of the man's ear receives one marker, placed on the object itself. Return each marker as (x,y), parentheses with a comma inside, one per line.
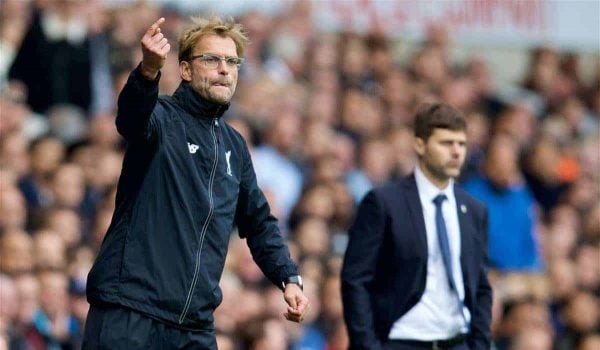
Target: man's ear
(419,146)
(185,71)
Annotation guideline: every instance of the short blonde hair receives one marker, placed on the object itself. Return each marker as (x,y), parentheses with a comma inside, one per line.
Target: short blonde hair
(214,26)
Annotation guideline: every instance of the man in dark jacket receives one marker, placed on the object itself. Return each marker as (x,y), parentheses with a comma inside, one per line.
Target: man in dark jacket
(187,180)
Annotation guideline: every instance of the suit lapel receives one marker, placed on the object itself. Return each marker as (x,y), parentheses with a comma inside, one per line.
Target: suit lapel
(416,212)
(466,243)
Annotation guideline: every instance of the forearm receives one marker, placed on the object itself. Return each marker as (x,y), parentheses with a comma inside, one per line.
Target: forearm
(270,252)
(136,103)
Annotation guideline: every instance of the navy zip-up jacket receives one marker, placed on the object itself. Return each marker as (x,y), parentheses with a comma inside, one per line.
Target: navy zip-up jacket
(187,180)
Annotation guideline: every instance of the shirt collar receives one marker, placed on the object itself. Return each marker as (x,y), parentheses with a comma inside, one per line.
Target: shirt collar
(428,190)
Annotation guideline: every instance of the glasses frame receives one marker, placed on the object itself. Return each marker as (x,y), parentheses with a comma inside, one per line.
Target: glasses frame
(230,61)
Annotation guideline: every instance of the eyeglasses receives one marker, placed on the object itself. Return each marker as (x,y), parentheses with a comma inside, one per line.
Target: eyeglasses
(212,61)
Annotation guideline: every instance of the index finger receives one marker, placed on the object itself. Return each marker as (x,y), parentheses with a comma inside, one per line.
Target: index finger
(155,26)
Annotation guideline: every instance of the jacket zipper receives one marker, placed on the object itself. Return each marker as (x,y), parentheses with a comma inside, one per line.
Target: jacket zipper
(188,300)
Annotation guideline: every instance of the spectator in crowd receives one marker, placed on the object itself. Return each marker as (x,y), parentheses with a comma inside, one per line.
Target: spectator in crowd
(546,172)
(56,59)
(66,223)
(580,315)
(13,212)
(311,234)
(520,317)
(512,210)
(46,154)
(54,327)
(266,333)
(14,19)
(532,339)
(275,171)
(28,288)
(9,338)
(50,250)
(16,248)
(589,342)
(375,167)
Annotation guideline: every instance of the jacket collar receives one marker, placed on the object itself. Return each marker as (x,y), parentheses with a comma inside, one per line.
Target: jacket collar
(416,212)
(196,105)
(464,220)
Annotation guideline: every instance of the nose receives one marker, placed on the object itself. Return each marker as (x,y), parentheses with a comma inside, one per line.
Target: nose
(456,149)
(223,68)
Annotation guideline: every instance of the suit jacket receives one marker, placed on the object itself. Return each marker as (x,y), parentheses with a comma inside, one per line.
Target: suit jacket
(385,266)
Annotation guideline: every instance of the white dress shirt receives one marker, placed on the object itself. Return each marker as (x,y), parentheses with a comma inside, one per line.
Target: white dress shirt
(437,315)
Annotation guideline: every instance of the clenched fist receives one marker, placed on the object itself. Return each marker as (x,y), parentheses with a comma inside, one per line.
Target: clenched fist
(297,303)
(154,50)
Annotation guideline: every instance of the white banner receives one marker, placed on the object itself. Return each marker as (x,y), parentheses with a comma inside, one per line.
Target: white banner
(569,24)
(565,23)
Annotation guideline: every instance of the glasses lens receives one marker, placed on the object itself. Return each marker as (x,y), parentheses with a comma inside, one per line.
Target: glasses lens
(211,61)
(233,61)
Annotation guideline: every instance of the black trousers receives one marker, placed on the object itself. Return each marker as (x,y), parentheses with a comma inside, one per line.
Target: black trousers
(114,327)
(404,346)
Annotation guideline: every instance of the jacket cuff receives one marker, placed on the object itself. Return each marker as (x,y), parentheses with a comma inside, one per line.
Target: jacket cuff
(284,273)
(142,80)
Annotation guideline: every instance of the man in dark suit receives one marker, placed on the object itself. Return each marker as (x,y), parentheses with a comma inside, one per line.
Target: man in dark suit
(414,274)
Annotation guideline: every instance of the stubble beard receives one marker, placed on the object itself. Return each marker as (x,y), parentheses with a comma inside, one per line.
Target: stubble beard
(441,172)
(203,88)
(220,98)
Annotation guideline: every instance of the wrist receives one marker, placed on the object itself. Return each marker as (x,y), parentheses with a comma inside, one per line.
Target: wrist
(148,73)
(295,279)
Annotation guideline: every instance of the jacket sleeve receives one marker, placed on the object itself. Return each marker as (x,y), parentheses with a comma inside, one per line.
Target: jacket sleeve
(256,224)
(135,106)
(480,334)
(358,273)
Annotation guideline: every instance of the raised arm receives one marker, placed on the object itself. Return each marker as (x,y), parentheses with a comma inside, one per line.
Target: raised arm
(139,96)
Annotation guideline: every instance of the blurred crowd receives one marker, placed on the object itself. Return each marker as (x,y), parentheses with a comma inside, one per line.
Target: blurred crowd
(327,117)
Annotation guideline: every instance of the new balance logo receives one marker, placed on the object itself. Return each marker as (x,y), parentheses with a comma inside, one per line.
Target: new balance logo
(193,148)
(227,155)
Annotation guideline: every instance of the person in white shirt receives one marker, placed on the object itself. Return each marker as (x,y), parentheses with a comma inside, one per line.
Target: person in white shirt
(415,273)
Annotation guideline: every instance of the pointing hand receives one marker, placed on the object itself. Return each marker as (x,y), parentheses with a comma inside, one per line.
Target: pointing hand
(155,48)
